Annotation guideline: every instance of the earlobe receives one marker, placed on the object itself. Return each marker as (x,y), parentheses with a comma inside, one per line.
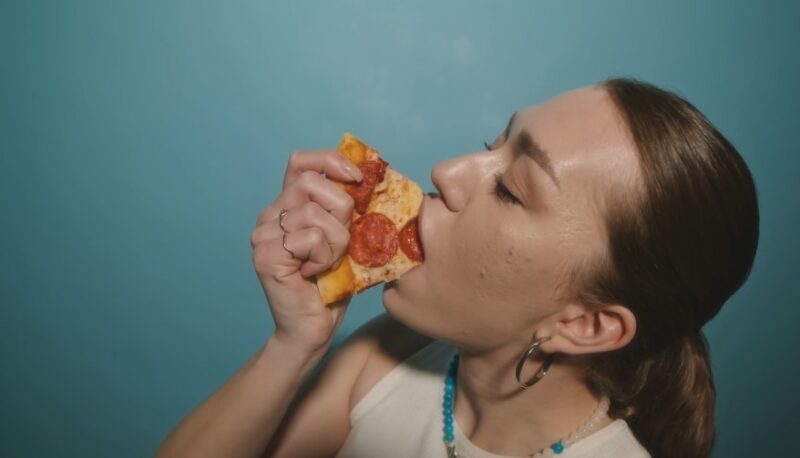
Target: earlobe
(592,330)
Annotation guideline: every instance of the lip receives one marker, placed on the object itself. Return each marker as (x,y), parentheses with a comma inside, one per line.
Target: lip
(422,219)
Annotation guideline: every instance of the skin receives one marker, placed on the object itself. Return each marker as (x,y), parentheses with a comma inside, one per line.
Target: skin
(495,277)
(495,274)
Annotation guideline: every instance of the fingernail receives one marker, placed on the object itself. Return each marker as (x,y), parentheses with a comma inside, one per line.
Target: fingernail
(353,172)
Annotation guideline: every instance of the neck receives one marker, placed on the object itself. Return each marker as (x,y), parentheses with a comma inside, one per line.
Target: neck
(497,415)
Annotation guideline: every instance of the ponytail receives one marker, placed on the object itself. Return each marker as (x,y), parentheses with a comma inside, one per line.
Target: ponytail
(667,398)
(680,243)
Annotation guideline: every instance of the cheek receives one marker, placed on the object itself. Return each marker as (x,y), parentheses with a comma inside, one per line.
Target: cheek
(485,278)
(491,261)
(464,264)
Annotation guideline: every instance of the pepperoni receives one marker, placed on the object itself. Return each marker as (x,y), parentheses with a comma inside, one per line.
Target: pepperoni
(373,171)
(409,241)
(373,240)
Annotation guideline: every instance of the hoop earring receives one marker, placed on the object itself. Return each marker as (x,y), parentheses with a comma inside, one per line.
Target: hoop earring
(530,351)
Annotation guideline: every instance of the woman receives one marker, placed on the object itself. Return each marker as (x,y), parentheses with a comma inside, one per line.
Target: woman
(569,270)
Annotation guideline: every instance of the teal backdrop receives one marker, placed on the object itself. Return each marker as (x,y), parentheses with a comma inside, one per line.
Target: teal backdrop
(140,140)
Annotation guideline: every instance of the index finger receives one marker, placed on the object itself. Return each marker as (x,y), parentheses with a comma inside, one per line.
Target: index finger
(327,161)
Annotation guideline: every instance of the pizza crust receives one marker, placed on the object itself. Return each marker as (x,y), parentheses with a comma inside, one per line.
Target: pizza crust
(337,283)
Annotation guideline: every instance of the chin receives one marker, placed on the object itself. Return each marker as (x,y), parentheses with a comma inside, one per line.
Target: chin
(397,304)
(391,299)
(402,302)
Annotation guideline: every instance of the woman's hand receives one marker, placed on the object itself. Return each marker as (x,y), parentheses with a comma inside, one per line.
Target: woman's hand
(316,221)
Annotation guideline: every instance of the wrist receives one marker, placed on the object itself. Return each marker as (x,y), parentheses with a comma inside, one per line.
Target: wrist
(299,356)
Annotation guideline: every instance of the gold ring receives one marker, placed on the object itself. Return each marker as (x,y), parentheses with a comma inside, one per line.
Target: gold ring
(280,221)
(291,253)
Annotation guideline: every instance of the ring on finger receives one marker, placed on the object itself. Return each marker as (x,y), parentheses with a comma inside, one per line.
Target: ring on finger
(291,253)
(280,222)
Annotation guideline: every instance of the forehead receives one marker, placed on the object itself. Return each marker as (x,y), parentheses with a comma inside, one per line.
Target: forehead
(584,135)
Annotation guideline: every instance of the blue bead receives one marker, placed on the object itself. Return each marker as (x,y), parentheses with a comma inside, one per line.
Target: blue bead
(447,402)
(558,447)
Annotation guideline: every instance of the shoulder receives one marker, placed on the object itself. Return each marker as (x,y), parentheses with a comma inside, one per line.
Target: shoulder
(384,343)
(324,401)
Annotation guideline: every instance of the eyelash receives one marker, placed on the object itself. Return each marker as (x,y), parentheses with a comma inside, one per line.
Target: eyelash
(501,192)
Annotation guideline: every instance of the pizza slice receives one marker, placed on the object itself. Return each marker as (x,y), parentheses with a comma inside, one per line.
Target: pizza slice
(384,243)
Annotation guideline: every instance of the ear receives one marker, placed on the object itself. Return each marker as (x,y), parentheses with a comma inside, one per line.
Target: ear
(581,329)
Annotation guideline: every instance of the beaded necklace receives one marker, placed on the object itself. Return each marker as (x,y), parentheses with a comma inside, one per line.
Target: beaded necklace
(555,449)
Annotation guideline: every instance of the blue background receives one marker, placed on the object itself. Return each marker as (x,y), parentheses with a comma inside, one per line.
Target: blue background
(139,142)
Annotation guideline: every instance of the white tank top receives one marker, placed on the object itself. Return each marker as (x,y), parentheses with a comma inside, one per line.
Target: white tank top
(401,417)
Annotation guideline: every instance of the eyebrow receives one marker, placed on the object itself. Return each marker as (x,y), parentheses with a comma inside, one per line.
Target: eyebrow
(530,147)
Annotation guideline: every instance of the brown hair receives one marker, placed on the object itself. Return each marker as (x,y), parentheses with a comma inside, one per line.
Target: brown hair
(677,251)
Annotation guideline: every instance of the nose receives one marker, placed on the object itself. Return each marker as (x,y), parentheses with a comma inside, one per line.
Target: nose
(457,179)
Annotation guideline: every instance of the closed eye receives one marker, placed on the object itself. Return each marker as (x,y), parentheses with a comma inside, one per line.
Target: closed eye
(502,193)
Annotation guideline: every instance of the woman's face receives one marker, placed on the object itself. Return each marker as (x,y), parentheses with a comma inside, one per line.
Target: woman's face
(497,264)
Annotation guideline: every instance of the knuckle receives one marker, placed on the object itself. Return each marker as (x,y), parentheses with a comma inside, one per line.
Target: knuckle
(330,258)
(312,210)
(308,178)
(294,159)
(316,236)
(327,257)
(257,236)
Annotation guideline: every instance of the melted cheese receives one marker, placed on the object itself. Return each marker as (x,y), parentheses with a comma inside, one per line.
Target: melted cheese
(399,199)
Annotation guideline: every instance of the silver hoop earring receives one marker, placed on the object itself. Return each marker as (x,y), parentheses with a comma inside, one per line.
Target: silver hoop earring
(530,351)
